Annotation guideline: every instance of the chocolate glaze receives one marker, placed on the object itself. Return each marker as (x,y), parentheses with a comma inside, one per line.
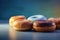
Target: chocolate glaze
(45,24)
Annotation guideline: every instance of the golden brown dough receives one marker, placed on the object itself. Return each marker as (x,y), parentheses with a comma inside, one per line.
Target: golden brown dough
(57,22)
(14,18)
(22,25)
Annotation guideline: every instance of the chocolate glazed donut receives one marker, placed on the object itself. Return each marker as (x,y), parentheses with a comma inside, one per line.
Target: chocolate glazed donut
(44,26)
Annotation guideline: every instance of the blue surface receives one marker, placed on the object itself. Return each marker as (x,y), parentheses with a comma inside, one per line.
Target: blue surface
(28,35)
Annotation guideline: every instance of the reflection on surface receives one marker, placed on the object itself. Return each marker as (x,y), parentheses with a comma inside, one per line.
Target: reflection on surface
(20,35)
(12,34)
(44,36)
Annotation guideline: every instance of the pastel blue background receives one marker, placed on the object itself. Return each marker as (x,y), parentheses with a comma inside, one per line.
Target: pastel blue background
(10,8)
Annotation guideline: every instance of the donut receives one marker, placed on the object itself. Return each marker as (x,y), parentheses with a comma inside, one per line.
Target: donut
(36,17)
(57,22)
(14,18)
(52,19)
(44,26)
(22,25)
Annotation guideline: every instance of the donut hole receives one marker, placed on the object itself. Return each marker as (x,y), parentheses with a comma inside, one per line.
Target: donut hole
(34,17)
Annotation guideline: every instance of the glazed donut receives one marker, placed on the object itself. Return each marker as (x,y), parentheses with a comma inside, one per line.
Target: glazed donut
(52,19)
(36,17)
(14,18)
(22,25)
(57,22)
(44,26)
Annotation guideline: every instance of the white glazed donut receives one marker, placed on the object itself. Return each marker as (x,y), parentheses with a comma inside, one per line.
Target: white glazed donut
(36,17)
